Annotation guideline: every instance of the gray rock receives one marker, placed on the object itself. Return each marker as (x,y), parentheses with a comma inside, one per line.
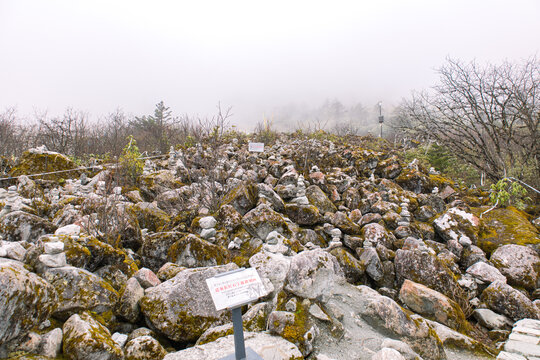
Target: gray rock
(53,247)
(265,345)
(208,233)
(491,320)
(22,226)
(78,290)
(51,343)
(26,300)
(207,222)
(387,354)
(85,338)
(146,278)
(520,264)
(120,339)
(128,302)
(51,261)
(182,308)
(485,273)
(271,266)
(262,220)
(144,348)
(404,349)
(504,299)
(455,224)
(376,234)
(306,267)
(13,250)
(374,266)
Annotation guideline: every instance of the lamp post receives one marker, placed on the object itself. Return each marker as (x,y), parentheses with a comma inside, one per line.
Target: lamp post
(381,117)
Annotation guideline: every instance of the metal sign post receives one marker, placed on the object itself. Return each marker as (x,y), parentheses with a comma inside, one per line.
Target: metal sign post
(232,290)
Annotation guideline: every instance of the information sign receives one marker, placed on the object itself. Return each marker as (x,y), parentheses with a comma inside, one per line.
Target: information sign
(256,147)
(235,288)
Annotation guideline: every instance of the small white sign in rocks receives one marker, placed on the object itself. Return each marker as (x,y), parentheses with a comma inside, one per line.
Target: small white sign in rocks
(235,288)
(256,147)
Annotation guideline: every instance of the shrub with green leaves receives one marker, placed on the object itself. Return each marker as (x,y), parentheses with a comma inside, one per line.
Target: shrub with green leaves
(130,164)
(508,192)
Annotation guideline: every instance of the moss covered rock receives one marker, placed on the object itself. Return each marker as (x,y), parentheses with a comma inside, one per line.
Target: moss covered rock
(36,161)
(144,348)
(26,300)
(303,214)
(85,338)
(80,290)
(504,299)
(243,198)
(191,251)
(262,220)
(182,308)
(433,305)
(22,226)
(425,268)
(154,248)
(520,264)
(318,198)
(502,226)
(150,216)
(457,224)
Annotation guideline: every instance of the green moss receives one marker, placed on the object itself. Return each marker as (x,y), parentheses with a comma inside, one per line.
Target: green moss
(502,226)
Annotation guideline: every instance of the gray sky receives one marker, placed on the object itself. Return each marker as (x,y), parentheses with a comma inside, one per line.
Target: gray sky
(98,55)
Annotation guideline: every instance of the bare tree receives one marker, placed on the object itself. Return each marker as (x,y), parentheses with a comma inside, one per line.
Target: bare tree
(66,134)
(487,115)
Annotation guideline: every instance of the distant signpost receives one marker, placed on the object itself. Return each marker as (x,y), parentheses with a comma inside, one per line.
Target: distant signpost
(256,147)
(232,290)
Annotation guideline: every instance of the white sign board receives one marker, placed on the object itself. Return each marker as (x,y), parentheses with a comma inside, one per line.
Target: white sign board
(256,147)
(235,288)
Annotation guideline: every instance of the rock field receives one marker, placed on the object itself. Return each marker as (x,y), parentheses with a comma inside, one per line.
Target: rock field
(362,256)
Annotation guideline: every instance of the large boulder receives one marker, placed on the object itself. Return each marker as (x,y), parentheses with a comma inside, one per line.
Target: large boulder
(504,299)
(22,226)
(26,300)
(485,273)
(182,308)
(459,225)
(154,248)
(150,216)
(425,268)
(264,344)
(318,198)
(273,267)
(303,214)
(39,160)
(243,198)
(502,226)
(192,251)
(85,338)
(520,264)
(433,305)
(80,290)
(309,266)
(262,220)
(144,348)
(376,234)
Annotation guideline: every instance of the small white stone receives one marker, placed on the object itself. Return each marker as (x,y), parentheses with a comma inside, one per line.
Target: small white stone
(52,248)
(207,222)
(53,261)
(120,339)
(208,233)
(69,230)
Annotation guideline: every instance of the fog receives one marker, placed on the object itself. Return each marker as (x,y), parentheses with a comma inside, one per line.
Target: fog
(261,58)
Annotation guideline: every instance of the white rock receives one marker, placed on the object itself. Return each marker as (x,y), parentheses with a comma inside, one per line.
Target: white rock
(264,344)
(51,343)
(14,250)
(53,261)
(120,339)
(208,233)
(55,247)
(69,230)
(485,272)
(503,355)
(491,319)
(207,222)
(387,354)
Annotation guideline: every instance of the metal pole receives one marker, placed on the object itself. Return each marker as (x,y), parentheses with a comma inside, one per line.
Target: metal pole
(239,346)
